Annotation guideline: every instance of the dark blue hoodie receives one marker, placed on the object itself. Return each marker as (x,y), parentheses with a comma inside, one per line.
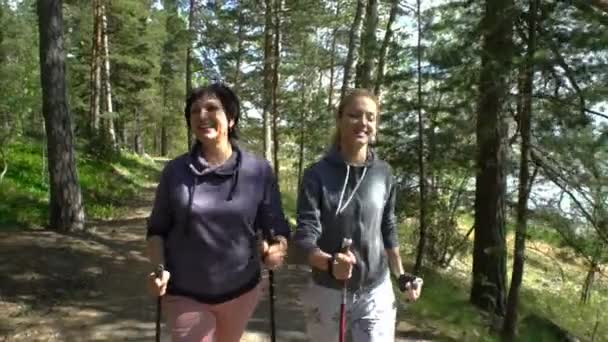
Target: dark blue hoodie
(208,218)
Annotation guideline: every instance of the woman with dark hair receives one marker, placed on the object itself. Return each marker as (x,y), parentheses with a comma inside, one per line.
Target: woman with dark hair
(349,196)
(210,206)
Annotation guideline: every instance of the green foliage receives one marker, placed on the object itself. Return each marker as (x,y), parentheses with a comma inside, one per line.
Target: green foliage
(19,102)
(148,41)
(107,186)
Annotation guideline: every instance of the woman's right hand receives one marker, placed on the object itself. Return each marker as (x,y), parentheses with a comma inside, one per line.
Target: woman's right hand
(158,285)
(343,265)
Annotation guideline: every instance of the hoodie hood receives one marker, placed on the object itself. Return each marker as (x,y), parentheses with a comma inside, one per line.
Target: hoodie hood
(200,167)
(333,156)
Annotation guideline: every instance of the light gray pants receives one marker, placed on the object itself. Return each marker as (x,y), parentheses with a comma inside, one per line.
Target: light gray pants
(370,313)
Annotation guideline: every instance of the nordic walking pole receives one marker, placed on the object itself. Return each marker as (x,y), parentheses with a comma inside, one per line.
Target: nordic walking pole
(270,239)
(159,273)
(346,243)
(273,331)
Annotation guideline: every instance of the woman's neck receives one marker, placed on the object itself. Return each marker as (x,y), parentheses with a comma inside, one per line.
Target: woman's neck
(216,154)
(354,155)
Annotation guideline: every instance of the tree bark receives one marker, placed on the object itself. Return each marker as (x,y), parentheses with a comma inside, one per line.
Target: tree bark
(189,62)
(96,68)
(164,139)
(107,85)
(421,161)
(275,85)
(332,61)
(525,119)
(384,48)
(268,80)
(368,46)
(588,284)
(137,136)
(489,247)
(352,49)
(302,131)
(66,206)
(239,49)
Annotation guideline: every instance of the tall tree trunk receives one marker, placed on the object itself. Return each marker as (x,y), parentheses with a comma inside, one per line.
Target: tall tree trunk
(368,45)
(351,58)
(489,247)
(107,85)
(189,61)
(588,284)
(155,147)
(96,68)
(421,161)
(332,60)
(384,48)
(172,54)
(137,136)
(275,85)
(525,119)
(268,80)
(239,49)
(302,130)
(164,135)
(66,206)
(164,138)
(121,128)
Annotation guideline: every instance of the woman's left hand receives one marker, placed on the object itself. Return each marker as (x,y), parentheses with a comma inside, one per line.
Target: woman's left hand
(414,293)
(411,285)
(275,253)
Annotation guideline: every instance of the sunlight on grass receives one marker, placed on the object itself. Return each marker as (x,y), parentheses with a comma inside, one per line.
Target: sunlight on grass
(107,186)
(551,289)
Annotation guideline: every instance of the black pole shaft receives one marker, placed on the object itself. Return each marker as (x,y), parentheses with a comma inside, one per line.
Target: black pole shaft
(158,311)
(273,330)
(346,243)
(159,274)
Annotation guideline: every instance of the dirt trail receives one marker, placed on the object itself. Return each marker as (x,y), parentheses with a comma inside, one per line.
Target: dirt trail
(88,287)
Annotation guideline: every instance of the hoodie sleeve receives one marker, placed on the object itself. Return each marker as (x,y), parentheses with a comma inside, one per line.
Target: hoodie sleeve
(161,218)
(308,213)
(270,211)
(389,222)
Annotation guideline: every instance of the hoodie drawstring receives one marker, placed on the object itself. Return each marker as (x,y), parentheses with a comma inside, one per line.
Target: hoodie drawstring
(341,208)
(190,201)
(235,179)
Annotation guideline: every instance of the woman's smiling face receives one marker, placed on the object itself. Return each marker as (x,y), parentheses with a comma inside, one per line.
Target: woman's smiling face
(208,120)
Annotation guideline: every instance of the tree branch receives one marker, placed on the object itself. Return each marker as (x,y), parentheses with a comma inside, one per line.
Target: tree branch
(563,102)
(555,177)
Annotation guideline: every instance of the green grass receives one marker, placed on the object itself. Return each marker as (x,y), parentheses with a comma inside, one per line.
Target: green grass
(443,312)
(107,186)
(551,289)
(289,206)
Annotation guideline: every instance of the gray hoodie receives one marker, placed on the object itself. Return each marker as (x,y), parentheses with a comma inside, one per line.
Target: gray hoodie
(366,196)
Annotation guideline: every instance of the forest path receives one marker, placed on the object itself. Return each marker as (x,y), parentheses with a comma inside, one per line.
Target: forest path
(89,287)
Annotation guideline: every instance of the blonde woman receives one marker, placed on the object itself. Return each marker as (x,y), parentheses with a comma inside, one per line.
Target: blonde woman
(350,194)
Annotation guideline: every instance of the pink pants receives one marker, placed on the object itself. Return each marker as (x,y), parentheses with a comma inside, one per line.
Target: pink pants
(192,321)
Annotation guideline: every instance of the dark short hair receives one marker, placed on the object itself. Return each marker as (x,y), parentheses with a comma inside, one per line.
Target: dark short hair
(228,98)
